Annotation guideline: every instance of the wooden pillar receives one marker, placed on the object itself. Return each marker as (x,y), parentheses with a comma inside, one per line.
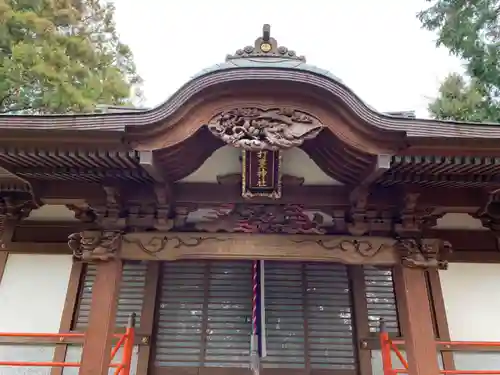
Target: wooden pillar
(67,314)
(3,262)
(97,344)
(416,320)
(441,321)
(147,316)
(6,230)
(362,329)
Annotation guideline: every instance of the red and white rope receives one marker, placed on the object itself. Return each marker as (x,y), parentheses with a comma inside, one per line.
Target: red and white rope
(254,297)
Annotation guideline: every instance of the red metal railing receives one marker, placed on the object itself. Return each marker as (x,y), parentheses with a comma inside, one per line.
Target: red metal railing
(121,368)
(387,345)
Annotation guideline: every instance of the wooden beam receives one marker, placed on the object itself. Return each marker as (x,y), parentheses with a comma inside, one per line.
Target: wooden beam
(147,316)
(416,321)
(173,246)
(468,245)
(68,313)
(362,329)
(470,256)
(438,306)
(38,248)
(3,262)
(382,164)
(456,200)
(146,161)
(98,339)
(373,343)
(216,194)
(70,192)
(467,240)
(477,256)
(459,200)
(71,341)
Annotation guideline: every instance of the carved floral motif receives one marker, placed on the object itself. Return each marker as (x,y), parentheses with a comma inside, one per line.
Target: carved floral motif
(255,129)
(91,246)
(289,219)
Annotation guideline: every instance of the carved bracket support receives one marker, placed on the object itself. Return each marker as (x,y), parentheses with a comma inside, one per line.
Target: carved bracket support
(162,220)
(362,220)
(116,213)
(489,214)
(358,224)
(91,246)
(423,253)
(413,218)
(110,215)
(15,209)
(11,211)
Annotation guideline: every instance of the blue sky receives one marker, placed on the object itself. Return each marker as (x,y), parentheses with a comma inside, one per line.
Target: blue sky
(377,47)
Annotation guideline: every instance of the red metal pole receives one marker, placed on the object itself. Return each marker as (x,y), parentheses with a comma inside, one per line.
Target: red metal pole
(385,349)
(117,346)
(40,364)
(128,348)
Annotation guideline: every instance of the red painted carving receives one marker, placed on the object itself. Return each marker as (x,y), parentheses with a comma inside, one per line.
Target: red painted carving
(243,218)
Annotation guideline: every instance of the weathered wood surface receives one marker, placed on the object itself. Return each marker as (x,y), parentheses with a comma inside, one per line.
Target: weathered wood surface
(173,246)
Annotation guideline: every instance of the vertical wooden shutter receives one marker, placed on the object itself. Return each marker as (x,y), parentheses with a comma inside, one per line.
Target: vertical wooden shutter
(284,289)
(380,298)
(329,316)
(130,297)
(204,314)
(180,315)
(308,316)
(229,314)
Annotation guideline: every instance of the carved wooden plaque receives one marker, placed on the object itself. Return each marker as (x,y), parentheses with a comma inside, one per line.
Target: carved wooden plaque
(261,174)
(255,129)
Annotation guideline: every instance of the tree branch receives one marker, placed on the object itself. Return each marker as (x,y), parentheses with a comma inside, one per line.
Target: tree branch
(14,110)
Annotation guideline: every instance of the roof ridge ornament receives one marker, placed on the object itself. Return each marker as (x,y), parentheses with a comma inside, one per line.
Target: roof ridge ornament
(265,46)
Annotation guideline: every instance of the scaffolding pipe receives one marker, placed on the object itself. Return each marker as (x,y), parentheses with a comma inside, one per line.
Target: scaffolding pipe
(122,368)
(387,346)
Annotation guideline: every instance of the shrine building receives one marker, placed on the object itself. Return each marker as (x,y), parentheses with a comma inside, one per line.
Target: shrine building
(262,220)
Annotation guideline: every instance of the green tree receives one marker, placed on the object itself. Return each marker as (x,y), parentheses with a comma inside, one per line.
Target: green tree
(62,56)
(470,29)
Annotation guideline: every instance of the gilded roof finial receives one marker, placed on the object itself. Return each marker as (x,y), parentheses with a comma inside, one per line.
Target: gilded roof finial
(265,46)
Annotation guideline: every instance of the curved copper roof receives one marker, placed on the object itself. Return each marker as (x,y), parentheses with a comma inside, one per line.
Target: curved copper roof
(266,77)
(252,64)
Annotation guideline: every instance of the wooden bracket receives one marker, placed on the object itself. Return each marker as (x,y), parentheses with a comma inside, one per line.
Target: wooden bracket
(147,162)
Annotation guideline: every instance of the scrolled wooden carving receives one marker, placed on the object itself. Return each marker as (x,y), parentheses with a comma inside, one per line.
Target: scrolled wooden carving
(157,244)
(364,248)
(255,129)
(243,218)
(415,253)
(90,246)
(174,246)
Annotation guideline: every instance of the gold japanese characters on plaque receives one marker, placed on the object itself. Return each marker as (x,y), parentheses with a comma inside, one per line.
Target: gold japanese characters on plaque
(261,174)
